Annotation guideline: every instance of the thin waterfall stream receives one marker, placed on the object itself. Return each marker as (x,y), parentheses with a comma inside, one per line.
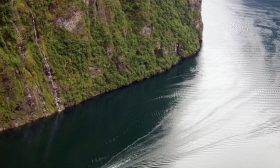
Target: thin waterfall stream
(220,109)
(48,71)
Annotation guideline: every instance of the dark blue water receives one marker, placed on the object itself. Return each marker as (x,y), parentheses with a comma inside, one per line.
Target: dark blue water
(220,109)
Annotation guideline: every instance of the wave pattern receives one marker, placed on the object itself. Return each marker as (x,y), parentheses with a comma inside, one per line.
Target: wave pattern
(220,109)
(234,101)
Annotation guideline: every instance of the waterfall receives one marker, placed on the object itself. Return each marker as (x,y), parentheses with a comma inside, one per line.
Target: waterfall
(47,68)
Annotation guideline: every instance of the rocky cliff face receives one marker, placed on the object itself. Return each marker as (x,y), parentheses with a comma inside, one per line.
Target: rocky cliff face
(197,19)
(57,53)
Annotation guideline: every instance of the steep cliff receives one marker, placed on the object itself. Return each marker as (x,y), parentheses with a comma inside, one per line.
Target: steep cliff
(57,53)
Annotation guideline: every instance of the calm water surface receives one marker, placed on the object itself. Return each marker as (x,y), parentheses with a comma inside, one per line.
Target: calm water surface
(218,110)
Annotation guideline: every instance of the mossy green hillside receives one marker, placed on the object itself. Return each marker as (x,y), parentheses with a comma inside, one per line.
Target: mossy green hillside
(91,46)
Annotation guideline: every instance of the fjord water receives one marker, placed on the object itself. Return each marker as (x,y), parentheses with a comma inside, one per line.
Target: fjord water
(220,109)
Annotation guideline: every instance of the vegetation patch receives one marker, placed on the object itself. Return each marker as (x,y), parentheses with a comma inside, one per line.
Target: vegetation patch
(91,46)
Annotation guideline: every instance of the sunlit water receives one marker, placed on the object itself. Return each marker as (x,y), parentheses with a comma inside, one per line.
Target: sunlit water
(218,110)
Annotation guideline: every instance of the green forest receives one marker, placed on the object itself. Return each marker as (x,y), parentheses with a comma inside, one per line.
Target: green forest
(56,53)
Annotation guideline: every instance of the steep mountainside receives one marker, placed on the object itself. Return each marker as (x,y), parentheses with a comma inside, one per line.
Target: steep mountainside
(57,53)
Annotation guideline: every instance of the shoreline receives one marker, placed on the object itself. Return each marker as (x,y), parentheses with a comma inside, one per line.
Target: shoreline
(18,126)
